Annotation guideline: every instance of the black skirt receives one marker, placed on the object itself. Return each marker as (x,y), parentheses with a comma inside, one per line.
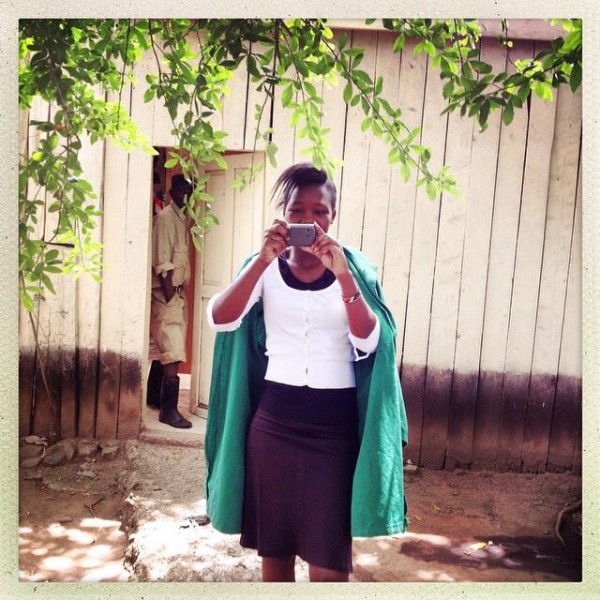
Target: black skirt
(301,452)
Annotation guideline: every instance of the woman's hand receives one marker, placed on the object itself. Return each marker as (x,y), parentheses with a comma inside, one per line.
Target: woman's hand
(329,251)
(274,241)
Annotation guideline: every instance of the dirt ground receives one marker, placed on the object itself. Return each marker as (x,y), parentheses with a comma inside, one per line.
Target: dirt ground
(125,520)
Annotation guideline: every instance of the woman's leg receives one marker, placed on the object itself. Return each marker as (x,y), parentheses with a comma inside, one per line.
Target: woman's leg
(278,569)
(322,574)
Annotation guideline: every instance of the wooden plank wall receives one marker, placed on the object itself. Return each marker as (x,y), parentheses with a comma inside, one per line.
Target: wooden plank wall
(486,290)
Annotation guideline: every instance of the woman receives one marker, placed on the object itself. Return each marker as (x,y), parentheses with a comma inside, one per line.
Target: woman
(306,420)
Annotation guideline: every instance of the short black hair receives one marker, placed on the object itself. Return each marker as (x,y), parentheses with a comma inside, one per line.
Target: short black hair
(179,181)
(298,176)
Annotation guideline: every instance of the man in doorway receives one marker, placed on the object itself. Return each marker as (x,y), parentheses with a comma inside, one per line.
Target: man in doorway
(168,318)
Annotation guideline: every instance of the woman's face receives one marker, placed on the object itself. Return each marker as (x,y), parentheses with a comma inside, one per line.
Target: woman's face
(309,204)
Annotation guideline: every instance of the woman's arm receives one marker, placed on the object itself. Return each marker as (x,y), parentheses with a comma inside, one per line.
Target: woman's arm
(231,302)
(361,319)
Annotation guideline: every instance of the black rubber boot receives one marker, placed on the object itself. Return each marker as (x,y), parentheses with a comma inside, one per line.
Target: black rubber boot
(168,404)
(154,383)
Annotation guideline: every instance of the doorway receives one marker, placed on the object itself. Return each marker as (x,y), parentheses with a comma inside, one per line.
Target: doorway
(240,213)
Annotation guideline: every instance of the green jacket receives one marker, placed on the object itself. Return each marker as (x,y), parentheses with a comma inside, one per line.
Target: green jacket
(239,366)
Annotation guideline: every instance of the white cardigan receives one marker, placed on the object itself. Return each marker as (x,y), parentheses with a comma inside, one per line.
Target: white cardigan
(308,341)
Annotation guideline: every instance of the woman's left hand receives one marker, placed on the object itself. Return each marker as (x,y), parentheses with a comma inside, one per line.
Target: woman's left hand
(329,251)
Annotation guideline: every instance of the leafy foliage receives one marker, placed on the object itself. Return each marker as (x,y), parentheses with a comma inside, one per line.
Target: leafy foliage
(471,85)
(81,67)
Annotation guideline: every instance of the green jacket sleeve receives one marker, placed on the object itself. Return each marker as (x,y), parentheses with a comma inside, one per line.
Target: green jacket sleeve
(239,366)
(378,502)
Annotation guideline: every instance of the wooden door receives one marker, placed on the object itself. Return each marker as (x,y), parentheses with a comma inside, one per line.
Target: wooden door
(241,222)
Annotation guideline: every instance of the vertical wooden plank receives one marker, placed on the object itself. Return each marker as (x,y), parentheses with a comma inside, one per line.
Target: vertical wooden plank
(46,413)
(27,368)
(163,126)
(114,295)
(571,349)
(479,199)
(88,305)
(408,95)
(555,270)
(356,157)
(521,330)
(254,98)
(136,276)
(445,295)
(284,138)
(27,350)
(39,111)
(162,122)
(51,219)
(27,360)
(66,319)
(334,118)
(422,266)
(247,209)
(502,252)
(23,132)
(377,195)
(234,109)
(43,410)
(565,438)
(400,233)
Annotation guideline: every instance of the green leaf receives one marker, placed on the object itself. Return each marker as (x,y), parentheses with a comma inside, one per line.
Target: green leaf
(508,114)
(484,113)
(218,158)
(271,151)
(310,88)
(399,43)
(362,76)
(431,189)
(481,67)
(425,46)
(576,75)
(347,93)
(300,66)
(172,162)
(252,68)
(405,172)
(286,96)
(365,105)
(394,155)
(47,283)
(27,301)
(524,91)
(448,89)
(542,90)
